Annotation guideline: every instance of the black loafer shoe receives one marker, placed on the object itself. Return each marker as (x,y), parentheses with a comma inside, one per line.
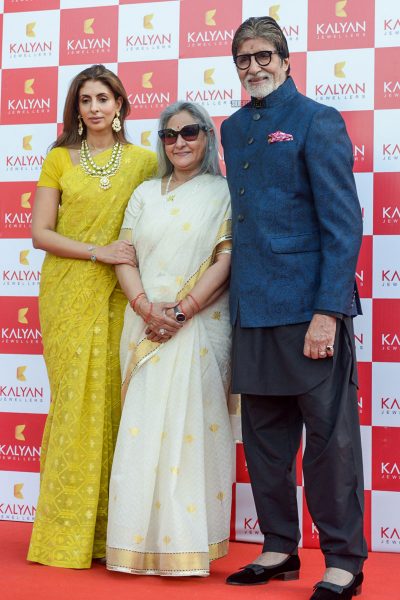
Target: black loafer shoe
(329,591)
(254,574)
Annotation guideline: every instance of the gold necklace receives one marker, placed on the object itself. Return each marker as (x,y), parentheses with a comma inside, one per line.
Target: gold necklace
(103,172)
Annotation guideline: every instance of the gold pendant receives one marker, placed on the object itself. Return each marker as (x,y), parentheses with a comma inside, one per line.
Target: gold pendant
(105,182)
(170,197)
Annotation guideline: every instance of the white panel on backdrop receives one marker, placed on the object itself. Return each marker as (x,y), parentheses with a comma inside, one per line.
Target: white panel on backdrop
(148,31)
(291,16)
(387,23)
(31,39)
(385,527)
(386,267)
(18,495)
(386,395)
(387,140)
(86,3)
(142,132)
(23,149)
(364,183)
(24,387)
(343,79)
(363,332)
(66,73)
(211,82)
(366,443)
(21,266)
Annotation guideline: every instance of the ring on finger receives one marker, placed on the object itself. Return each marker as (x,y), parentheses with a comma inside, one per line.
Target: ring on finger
(162,331)
(329,348)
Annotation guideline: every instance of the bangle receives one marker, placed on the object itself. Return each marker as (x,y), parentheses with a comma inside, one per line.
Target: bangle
(93,257)
(195,302)
(133,302)
(147,319)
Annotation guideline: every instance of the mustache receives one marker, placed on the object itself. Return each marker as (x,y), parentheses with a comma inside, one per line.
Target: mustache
(252,78)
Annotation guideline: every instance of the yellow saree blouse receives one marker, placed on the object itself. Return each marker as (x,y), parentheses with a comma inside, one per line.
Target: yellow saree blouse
(81,314)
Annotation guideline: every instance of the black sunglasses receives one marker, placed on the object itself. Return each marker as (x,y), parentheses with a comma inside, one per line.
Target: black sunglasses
(189,133)
(263,58)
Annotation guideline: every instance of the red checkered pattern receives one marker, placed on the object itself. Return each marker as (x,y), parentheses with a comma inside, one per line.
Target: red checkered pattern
(343,53)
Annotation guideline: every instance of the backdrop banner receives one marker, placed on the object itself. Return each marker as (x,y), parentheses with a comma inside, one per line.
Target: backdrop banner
(344,54)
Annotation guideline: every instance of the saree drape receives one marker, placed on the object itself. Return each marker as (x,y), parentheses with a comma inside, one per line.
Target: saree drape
(81,314)
(170,488)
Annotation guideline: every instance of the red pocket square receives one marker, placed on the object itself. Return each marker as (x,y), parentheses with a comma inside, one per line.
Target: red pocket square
(279,136)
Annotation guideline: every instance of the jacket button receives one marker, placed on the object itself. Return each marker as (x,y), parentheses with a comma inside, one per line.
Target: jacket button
(241,191)
(240,218)
(246,165)
(256,117)
(250,140)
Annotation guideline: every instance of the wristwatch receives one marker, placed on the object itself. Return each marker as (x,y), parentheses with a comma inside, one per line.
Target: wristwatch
(179,315)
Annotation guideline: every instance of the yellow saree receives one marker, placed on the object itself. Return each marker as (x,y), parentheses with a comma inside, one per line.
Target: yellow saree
(81,314)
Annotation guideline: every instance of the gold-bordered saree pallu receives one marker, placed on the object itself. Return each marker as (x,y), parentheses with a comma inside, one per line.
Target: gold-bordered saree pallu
(81,314)
(170,489)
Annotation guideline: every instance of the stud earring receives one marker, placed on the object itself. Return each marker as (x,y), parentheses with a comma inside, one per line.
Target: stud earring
(116,124)
(80,125)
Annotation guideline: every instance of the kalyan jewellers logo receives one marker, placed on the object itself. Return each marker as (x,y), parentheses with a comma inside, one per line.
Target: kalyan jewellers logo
(19,451)
(27,105)
(21,392)
(390,215)
(31,47)
(342,90)
(20,219)
(390,278)
(341,28)
(292,32)
(390,151)
(88,44)
(211,35)
(390,535)
(207,96)
(144,138)
(24,277)
(390,342)
(146,98)
(391,89)
(148,41)
(251,526)
(24,162)
(16,510)
(391,26)
(390,470)
(20,333)
(390,406)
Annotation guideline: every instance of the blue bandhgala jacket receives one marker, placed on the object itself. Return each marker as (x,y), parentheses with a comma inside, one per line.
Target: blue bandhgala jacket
(296,218)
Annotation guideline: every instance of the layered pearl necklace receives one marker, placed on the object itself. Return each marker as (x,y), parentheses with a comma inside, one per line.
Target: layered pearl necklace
(106,171)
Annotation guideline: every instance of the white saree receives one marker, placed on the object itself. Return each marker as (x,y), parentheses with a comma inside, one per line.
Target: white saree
(170,489)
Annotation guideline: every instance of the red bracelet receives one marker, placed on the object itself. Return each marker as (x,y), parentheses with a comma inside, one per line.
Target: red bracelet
(133,302)
(147,319)
(195,301)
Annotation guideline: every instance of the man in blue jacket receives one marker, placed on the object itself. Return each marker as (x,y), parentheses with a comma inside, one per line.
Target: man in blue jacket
(297,230)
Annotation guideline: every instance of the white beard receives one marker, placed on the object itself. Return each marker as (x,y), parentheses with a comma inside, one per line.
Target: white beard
(260,91)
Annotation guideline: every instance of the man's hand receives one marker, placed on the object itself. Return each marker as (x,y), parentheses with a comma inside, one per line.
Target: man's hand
(320,337)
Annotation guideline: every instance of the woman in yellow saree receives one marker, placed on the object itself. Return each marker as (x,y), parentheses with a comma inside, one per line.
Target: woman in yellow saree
(170,488)
(78,213)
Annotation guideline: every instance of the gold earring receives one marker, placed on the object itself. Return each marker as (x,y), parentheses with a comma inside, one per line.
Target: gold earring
(116,124)
(80,126)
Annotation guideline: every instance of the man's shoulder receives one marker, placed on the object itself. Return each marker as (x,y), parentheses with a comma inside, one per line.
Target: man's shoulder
(312,106)
(237,116)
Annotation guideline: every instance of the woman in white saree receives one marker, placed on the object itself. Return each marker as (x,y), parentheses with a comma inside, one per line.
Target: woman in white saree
(170,489)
